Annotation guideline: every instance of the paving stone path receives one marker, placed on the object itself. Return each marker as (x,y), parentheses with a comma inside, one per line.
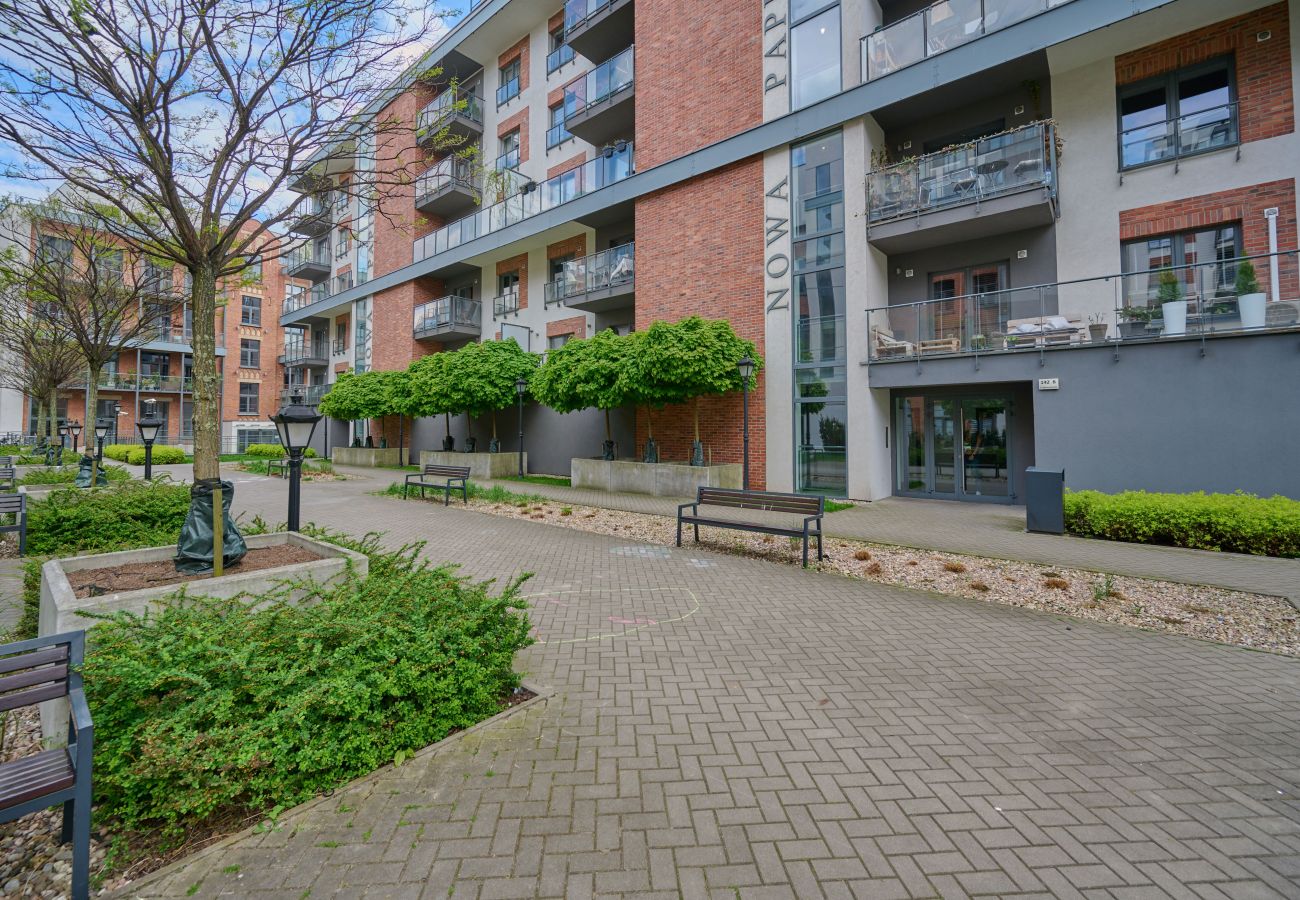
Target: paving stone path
(727,727)
(11,594)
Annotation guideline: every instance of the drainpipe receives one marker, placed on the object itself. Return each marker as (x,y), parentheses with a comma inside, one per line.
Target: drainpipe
(1271,215)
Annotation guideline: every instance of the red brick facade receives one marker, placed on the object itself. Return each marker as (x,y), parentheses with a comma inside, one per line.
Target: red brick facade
(719,216)
(518,51)
(1266,107)
(576,326)
(703,59)
(577,245)
(513,264)
(569,164)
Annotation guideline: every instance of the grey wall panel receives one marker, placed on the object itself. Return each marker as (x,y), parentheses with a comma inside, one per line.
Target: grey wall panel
(1038,267)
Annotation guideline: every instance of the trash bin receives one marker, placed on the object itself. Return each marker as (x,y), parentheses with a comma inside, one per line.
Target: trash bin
(1045,500)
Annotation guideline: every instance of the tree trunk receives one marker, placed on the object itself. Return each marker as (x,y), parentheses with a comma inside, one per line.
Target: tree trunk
(40,420)
(469,426)
(609,436)
(53,404)
(92,406)
(649,424)
(207,399)
(697,419)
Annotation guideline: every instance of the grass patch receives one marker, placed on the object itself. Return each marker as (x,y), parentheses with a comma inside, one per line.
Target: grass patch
(555,480)
(494,494)
(262,466)
(838,506)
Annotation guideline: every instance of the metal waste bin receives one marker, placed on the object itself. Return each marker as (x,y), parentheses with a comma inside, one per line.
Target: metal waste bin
(1045,500)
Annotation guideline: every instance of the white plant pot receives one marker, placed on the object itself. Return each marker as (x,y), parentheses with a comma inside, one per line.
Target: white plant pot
(1175,316)
(1251,309)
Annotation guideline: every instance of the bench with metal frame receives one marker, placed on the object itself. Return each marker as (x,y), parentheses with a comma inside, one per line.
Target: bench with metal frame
(448,475)
(31,672)
(8,475)
(15,505)
(811,507)
(281,465)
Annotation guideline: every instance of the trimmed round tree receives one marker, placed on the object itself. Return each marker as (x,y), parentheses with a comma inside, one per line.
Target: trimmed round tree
(480,379)
(428,392)
(368,395)
(598,372)
(679,362)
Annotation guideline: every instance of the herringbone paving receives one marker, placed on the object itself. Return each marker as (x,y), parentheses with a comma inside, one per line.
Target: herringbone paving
(726,727)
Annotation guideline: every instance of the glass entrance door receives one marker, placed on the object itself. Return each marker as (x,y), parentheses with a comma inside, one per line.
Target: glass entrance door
(954,448)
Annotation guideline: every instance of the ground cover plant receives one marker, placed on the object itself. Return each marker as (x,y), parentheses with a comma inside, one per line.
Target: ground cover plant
(1240,523)
(68,474)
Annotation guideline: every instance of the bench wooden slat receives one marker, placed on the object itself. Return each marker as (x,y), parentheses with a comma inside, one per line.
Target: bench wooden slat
(35,776)
(810,508)
(30,677)
(33,658)
(33,695)
(446,471)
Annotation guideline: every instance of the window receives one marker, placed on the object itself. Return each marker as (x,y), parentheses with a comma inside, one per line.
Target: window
(155,364)
(109,264)
(249,393)
(508,283)
(561,52)
(55,250)
(254,270)
(814,55)
(250,354)
(250,310)
(555,342)
(343,243)
(510,85)
(323,249)
(557,134)
(509,158)
(1188,111)
(294,296)
(1209,255)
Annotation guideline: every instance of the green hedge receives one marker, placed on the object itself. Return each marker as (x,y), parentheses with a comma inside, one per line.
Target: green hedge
(1241,523)
(206,707)
(68,474)
(126,515)
(134,454)
(272,451)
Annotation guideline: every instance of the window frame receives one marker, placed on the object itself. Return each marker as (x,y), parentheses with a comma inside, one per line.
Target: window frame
(244,309)
(503,82)
(250,352)
(839,52)
(564,134)
(1168,81)
(256,397)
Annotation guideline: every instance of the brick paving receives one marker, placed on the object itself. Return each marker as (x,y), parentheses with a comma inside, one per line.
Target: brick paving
(728,727)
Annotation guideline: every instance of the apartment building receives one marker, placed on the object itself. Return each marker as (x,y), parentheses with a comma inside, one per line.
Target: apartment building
(968,237)
(249,349)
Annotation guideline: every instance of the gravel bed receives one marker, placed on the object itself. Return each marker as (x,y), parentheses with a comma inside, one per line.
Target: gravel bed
(1230,617)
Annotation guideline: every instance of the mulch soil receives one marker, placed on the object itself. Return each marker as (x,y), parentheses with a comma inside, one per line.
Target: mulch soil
(134,577)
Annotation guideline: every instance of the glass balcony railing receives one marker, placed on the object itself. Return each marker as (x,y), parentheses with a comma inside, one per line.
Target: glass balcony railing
(311,393)
(941,27)
(447,313)
(508,160)
(1196,132)
(505,304)
(607,80)
(167,333)
(611,166)
(446,105)
(556,135)
(608,268)
(1200,300)
(558,58)
(452,171)
(577,12)
(990,167)
(508,91)
(318,293)
(307,255)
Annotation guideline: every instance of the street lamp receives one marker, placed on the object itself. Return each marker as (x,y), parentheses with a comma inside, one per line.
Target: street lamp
(746,369)
(296,423)
(149,426)
(63,441)
(521,385)
(102,428)
(74,429)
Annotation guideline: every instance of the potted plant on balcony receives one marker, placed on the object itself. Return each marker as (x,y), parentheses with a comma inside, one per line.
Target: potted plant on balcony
(1250,299)
(1134,321)
(1097,328)
(1173,307)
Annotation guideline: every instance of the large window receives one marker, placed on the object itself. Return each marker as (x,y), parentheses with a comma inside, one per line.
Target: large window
(557,134)
(249,394)
(250,310)
(510,83)
(250,354)
(1185,112)
(814,52)
(1209,275)
(155,364)
(509,158)
(820,361)
(55,250)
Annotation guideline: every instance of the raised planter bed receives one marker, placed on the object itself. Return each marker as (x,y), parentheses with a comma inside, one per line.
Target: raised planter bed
(61,609)
(367,456)
(481,465)
(658,479)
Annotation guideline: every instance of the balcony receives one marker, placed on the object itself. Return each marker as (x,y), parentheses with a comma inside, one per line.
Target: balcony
(311,393)
(939,28)
(612,166)
(598,283)
(600,105)
(597,28)
(319,296)
(308,262)
(447,189)
(459,112)
(1201,301)
(311,355)
(448,317)
(177,338)
(314,219)
(339,347)
(507,161)
(505,305)
(994,185)
(158,284)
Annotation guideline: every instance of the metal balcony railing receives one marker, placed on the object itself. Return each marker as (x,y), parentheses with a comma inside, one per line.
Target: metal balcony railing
(1201,300)
(311,393)
(508,160)
(558,58)
(606,80)
(611,166)
(577,12)
(608,268)
(446,105)
(505,304)
(941,27)
(508,91)
(339,347)
(451,171)
(556,135)
(1016,160)
(307,255)
(319,293)
(1187,135)
(446,313)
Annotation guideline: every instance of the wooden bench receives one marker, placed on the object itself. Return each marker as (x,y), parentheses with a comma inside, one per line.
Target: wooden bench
(281,465)
(441,478)
(15,505)
(8,476)
(808,506)
(32,672)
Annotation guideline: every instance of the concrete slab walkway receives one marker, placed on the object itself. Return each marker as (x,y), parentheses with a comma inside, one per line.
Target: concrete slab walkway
(727,727)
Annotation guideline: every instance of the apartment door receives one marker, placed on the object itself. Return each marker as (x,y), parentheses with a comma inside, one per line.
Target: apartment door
(985,284)
(953,447)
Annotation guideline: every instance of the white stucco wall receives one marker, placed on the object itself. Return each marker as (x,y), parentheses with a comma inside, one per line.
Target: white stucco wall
(778,332)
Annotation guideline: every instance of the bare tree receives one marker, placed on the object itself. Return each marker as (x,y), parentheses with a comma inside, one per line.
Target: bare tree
(82,287)
(191,119)
(36,359)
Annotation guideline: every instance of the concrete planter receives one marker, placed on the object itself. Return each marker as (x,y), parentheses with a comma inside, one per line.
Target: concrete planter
(659,479)
(366,456)
(481,465)
(61,611)
(40,491)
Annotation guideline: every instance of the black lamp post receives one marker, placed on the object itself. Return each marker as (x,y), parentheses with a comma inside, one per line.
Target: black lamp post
(102,428)
(74,429)
(149,426)
(296,423)
(746,369)
(521,385)
(63,441)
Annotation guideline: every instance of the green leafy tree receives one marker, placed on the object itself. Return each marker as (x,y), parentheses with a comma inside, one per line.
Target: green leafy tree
(679,362)
(598,372)
(428,391)
(480,378)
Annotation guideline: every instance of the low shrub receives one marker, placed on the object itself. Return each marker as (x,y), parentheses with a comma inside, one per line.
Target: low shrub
(68,474)
(272,451)
(260,466)
(1240,523)
(162,456)
(120,517)
(205,706)
(494,494)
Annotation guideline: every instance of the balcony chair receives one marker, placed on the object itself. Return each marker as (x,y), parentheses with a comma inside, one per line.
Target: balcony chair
(1044,330)
(887,345)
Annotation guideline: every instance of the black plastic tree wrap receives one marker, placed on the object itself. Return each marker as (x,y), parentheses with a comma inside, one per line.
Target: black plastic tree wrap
(83,473)
(194,550)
